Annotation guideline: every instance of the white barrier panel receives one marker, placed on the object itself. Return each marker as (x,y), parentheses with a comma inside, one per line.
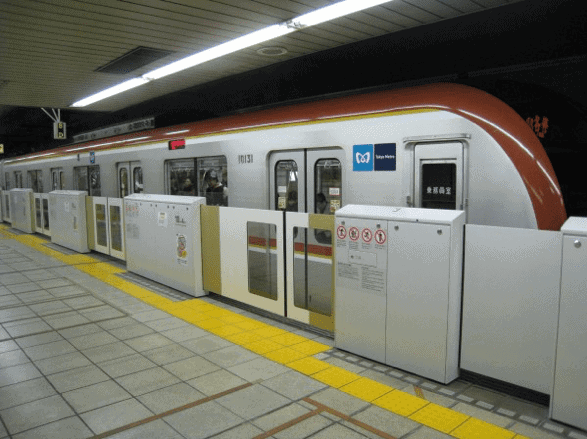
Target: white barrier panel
(510,304)
(67,213)
(569,401)
(163,240)
(251,252)
(6,206)
(116,227)
(398,287)
(22,215)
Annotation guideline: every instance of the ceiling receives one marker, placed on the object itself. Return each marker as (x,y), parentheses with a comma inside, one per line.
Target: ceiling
(51,50)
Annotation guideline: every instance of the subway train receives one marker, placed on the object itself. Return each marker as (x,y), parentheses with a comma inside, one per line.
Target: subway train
(442,146)
(438,146)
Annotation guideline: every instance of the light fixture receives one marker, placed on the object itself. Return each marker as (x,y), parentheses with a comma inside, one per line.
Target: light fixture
(313,18)
(176,132)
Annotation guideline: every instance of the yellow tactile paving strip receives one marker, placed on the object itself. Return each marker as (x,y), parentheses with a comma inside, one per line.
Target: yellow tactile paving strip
(283,347)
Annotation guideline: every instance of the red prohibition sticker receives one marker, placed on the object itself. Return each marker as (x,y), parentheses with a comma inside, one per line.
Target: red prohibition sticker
(380,237)
(367,235)
(341,232)
(353,233)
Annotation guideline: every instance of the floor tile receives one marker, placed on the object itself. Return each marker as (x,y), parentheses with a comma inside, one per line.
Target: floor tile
(339,401)
(293,385)
(76,378)
(12,314)
(168,354)
(153,430)
(216,382)
(253,401)
(280,416)
(151,315)
(482,414)
(147,342)
(259,368)
(184,333)
(337,431)
(23,288)
(203,421)
(243,431)
(68,428)
(34,296)
(230,356)
(39,339)
(78,331)
(68,291)
(129,331)
(385,379)
(126,365)
(170,397)
(13,278)
(33,414)
(395,425)
(53,283)
(92,340)
(305,428)
(108,352)
(191,368)
(100,313)
(61,363)
(485,395)
(427,433)
(35,275)
(95,396)
(17,374)
(8,345)
(117,323)
(115,415)
(49,350)
(206,344)
(345,365)
(26,391)
(160,325)
(28,329)
(13,358)
(146,381)
(48,308)
(65,320)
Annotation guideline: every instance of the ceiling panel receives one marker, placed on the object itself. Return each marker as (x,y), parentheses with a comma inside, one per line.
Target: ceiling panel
(51,48)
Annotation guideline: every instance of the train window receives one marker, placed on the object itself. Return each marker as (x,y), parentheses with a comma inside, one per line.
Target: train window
(57,179)
(38,213)
(328,196)
(312,274)
(18,179)
(46,214)
(262,260)
(286,183)
(137,178)
(101,225)
(36,181)
(87,178)
(123,178)
(213,180)
(80,176)
(61,180)
(116,228)
(439,185)
(7,180)
(181,177)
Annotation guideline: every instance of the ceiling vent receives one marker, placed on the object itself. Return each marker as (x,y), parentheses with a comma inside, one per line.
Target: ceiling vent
(135,59)
(272,51)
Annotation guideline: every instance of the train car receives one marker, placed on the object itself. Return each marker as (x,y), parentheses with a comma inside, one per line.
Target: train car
(440,146)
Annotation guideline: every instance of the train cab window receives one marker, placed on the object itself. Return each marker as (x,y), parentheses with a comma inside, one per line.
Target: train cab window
(123,178)
(137,178)
(18,180)
(439,185)
(36,181)
(87,178)
(328,196)
(286,183)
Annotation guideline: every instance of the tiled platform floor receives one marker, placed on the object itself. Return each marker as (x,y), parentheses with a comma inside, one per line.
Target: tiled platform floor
(81,358)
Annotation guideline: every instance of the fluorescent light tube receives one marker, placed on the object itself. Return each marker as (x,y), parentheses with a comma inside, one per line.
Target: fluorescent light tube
(231,46)
(126,85)
(335,10)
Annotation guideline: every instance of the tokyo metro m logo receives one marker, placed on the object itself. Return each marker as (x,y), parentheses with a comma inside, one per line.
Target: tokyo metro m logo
(363,157)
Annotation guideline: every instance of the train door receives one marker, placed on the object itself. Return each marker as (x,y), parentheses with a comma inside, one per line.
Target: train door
(130,178)
(309,181)
(438,175)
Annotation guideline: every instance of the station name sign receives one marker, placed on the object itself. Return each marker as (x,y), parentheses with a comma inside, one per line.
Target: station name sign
(130,127)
